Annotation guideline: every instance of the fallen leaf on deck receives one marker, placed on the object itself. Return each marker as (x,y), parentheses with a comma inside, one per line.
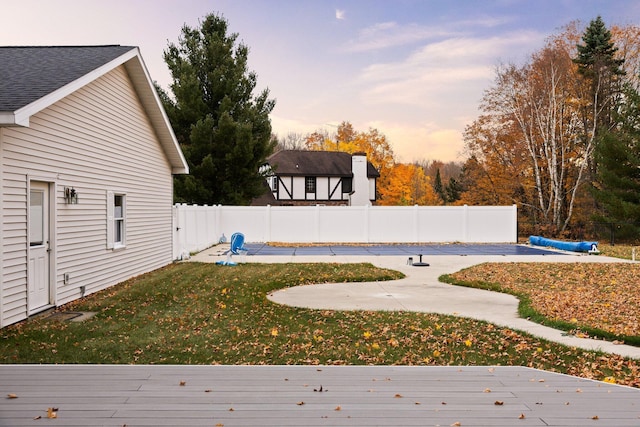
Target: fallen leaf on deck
(12,396)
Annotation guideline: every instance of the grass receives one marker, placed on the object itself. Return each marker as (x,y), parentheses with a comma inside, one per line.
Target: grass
(192,313)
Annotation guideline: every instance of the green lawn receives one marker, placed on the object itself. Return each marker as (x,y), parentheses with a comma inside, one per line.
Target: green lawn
(191,313)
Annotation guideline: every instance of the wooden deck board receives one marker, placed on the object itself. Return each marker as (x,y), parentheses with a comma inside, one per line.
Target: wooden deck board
(284,396)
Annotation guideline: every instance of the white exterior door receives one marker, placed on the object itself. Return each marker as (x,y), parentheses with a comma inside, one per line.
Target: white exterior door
(39,278)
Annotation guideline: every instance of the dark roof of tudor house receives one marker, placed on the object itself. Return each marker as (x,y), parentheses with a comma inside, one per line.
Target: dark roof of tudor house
(28,73)
(315,163)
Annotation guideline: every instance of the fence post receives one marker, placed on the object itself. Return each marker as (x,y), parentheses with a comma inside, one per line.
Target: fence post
(365,224)
(316,223)
(267,224)
(174,231)
(465,224)
(416,224)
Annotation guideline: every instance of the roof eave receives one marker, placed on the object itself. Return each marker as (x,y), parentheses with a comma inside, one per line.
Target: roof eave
(153,106)
(11,118)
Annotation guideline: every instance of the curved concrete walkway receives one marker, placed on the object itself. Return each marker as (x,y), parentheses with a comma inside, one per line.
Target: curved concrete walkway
(420,291)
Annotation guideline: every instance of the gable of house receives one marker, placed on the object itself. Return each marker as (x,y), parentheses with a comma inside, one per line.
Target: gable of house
(100,134)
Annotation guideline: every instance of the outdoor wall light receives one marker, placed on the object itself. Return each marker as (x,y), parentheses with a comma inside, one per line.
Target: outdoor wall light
(70,196)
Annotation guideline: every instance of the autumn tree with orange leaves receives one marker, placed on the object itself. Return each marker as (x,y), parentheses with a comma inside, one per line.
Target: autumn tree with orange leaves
(399,183)
(533,144)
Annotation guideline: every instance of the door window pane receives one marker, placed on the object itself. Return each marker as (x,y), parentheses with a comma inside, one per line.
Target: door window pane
(36,218)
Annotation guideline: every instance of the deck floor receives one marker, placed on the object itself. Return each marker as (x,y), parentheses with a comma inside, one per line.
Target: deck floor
(131,395)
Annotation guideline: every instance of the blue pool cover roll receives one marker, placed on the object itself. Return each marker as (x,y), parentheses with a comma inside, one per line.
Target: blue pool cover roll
(565,246)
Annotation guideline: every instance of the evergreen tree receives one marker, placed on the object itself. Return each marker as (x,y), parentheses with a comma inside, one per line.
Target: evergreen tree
(618,156)
(438,187)
(597,62)
(453,190)
(223,130)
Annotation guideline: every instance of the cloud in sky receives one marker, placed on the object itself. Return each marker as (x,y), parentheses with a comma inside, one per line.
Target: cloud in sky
(340,14)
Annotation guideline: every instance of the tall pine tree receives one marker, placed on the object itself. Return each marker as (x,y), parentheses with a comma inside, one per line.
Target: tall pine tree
(597,63)
(439,188)
(224,131)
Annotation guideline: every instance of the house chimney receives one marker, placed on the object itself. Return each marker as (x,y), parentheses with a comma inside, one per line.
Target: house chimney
(360,196)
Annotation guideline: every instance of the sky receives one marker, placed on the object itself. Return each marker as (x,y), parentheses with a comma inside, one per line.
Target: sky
(415,70)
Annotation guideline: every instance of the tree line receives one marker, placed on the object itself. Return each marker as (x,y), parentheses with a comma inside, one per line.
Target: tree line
(557,135)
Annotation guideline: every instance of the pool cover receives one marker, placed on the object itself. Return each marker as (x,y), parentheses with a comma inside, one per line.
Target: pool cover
(397,249)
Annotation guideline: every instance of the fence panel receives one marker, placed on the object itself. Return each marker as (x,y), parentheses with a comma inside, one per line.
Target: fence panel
(198,227)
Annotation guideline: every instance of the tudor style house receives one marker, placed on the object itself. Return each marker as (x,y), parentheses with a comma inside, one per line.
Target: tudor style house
(87,155)
(335,178)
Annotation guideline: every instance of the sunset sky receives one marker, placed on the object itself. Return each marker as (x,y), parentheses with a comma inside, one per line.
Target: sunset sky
(413,69)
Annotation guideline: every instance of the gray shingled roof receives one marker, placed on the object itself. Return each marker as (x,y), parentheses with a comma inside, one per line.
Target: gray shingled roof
(28,73)
(315,163)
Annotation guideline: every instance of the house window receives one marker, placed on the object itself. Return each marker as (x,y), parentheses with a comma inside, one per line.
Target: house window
(347,185)
(116,220)
(310,184)
(274,184)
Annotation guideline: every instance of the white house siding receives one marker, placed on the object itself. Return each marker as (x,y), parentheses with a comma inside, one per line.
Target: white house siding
(97,139)
(297,188)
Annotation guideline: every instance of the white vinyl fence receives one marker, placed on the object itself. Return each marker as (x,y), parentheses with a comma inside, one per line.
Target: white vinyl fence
(199,227)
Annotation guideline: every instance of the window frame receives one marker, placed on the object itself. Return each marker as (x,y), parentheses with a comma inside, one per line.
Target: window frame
(119,221)
(116,220)
(310,184)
